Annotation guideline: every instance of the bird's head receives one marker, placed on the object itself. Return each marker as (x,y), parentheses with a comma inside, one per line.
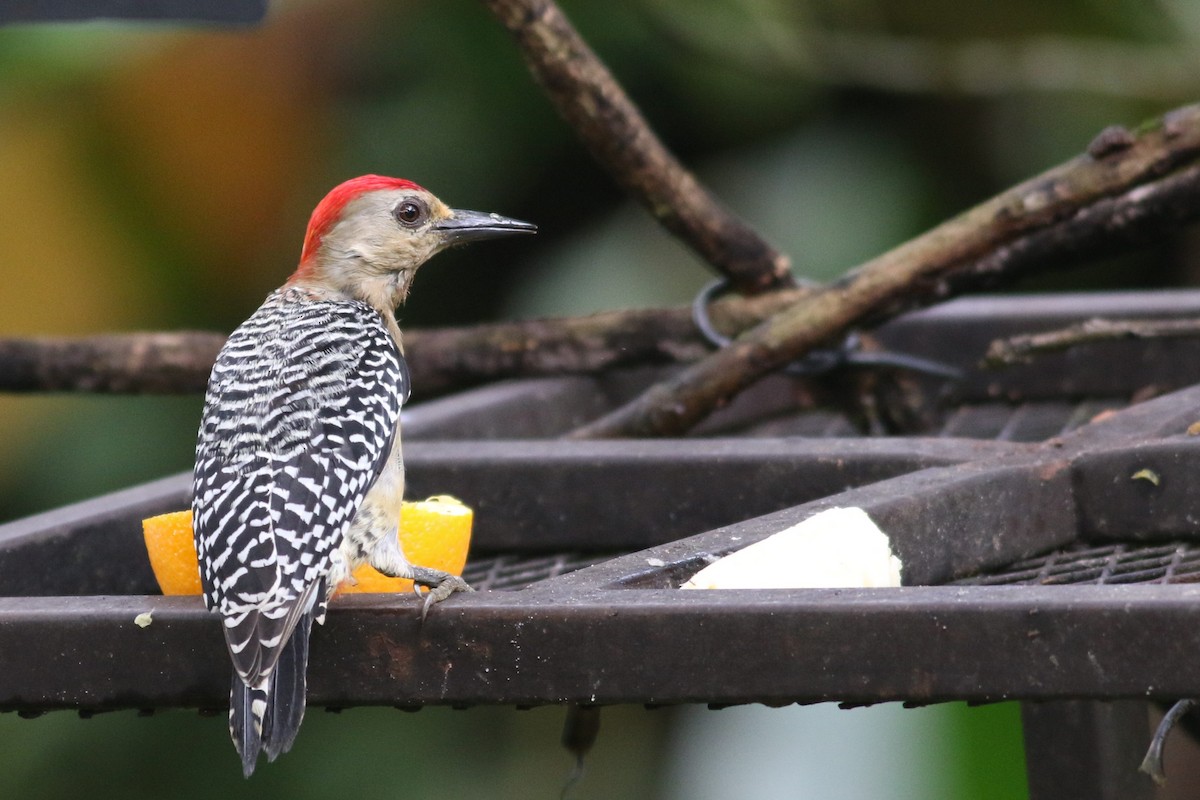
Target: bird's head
(369,235)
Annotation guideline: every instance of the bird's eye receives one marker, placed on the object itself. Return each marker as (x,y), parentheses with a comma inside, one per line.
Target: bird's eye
(410,213)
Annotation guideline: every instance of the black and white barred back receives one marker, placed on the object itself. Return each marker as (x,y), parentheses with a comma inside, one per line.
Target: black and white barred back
(300,416)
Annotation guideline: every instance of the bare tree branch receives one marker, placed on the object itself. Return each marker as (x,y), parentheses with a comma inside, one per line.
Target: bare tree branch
(1125,186)
(1127,189)
(449,358)
(590,100)
(1022,348)
(441,359)
(132,363)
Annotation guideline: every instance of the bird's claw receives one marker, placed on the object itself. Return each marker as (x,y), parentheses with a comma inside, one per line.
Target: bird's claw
(440,584)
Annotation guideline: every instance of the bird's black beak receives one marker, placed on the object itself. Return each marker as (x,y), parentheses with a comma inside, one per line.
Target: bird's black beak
(475,226)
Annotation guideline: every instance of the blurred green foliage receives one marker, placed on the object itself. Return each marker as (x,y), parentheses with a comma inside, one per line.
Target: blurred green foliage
(361,753)
(161,177)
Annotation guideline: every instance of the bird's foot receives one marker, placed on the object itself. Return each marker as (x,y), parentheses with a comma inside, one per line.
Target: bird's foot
(440,584)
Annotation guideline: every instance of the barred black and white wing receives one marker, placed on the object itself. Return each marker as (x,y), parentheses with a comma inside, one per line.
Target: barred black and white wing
(299,420)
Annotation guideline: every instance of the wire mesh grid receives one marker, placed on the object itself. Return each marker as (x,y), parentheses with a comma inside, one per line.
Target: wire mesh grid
(511,572)
(1170,562)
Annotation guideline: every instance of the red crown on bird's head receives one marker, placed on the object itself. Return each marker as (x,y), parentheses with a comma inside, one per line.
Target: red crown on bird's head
(330,208)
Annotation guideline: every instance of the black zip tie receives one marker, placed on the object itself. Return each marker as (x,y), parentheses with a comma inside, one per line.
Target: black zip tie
(819,362)
(1152,764)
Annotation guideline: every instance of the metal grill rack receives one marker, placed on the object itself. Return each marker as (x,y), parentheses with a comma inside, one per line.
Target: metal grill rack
(509,573)
(1173,562)
(1033,558)
(1022,422)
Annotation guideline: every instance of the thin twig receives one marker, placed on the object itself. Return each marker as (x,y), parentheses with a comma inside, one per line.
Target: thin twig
(602,115)
(1021,349)
(1124,187)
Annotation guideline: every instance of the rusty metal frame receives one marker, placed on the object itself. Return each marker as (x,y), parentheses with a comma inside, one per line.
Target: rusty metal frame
(570,638)
(73,580)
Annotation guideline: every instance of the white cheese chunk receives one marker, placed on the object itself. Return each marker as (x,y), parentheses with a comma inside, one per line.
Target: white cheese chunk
(839,547)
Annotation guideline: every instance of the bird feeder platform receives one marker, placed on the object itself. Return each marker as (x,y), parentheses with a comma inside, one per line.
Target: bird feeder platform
(1049,528)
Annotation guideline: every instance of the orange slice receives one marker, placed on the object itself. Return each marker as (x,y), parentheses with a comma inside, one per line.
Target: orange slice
(434,533)
(172,552)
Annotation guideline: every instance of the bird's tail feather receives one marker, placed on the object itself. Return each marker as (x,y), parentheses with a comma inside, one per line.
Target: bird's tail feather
(267,716)
(285,711)
(247,706)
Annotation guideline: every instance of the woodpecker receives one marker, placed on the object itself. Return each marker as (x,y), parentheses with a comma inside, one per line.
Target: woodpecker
(299,475)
